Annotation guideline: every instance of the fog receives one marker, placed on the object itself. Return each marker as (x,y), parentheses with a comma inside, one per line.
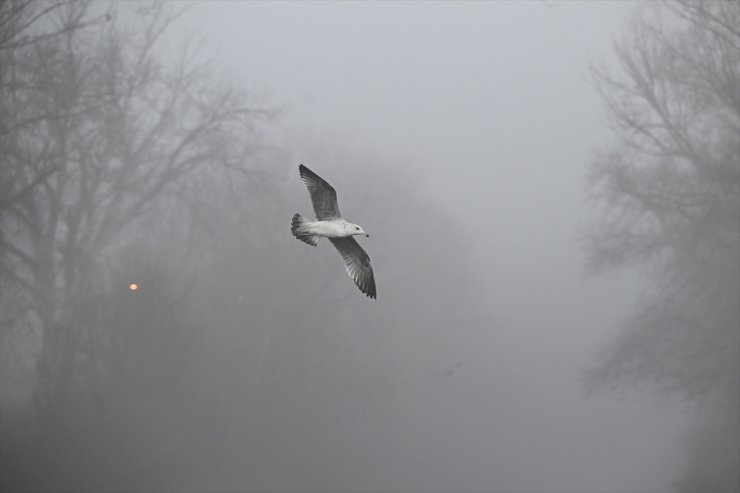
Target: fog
(487,108)
(458,135)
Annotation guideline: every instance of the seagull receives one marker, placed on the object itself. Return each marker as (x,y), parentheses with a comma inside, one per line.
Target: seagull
(329,223)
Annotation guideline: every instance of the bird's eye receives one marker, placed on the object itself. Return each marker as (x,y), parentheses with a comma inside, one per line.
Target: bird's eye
(357,228)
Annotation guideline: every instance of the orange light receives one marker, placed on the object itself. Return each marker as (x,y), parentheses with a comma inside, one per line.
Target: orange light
(133,287)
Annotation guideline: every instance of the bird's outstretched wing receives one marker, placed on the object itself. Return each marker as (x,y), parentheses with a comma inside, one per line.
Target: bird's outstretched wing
(323,195)
(357,263)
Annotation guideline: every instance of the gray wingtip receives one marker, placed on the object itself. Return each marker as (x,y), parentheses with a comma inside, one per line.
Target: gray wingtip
(368,287)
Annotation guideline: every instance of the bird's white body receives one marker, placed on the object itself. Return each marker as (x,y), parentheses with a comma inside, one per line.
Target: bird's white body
(337,228)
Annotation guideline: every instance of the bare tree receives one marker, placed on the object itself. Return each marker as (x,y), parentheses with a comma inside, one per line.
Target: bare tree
(97,133)
(670,190)
(19,22)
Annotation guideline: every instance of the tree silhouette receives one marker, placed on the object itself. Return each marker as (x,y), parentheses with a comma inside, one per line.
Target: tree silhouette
(97,134)
(670,191)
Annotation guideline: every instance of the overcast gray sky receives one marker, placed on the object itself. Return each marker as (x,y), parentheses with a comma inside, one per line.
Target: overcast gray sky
(489,105)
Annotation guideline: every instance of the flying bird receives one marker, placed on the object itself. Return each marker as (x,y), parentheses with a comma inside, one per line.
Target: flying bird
(330,224)
(451,371)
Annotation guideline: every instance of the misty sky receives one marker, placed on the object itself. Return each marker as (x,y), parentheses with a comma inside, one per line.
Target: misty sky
(489,105)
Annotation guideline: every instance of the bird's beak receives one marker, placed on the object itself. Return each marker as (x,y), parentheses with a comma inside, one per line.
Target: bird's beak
(367,235)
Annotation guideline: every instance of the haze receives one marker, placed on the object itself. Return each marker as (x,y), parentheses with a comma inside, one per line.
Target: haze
(458,136)
(488,108)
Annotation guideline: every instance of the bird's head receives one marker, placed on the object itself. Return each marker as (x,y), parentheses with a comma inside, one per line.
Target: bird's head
(357,230)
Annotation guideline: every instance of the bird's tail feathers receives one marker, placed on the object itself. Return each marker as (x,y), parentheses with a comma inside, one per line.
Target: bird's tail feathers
(301,233)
